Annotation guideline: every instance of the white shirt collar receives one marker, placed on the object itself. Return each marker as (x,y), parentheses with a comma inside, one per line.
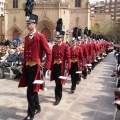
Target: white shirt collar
(32,35)
(60,44)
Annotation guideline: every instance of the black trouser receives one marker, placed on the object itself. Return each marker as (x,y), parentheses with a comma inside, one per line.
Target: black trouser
(32,97)
(84,72)
(58,87)
(74,76)
(2,67)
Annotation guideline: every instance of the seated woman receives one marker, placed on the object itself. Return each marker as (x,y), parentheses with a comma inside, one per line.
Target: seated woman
(17,69)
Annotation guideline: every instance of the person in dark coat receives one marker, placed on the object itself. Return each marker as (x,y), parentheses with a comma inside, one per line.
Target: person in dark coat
(17,68)
(7,42)
(8,62)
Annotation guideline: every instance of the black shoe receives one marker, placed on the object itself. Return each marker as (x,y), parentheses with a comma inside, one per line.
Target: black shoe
(56,102)
(29,117)
(113,75)
(18,76)
(38,111)
(77,82)
(72,91)
(3,76)
(84,77)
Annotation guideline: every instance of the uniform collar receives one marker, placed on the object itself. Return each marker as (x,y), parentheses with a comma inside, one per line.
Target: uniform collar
(60,44)
(31,35)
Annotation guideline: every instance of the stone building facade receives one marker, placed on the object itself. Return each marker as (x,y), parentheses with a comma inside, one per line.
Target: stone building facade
(75,13)
(2,2)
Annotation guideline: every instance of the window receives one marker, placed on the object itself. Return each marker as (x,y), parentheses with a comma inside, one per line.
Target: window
(118,5)
(107,10)
(92,12)
(118,13)
(107,6)
(92,8)
(107,1)
(112,6)
(15,3)
(112,1)
(1,9)
(112,9)
(112,17)
(77,3)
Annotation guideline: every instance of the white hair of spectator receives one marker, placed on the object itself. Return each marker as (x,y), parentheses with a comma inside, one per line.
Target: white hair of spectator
(12,51)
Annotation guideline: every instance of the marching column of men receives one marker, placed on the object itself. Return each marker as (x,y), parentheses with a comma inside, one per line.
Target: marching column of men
(78,60)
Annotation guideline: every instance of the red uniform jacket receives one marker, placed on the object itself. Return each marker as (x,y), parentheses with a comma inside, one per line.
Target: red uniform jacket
(33,51)
(88,47)
(61,53)
(84,50)
(97,48)
(77,54)
(93,51)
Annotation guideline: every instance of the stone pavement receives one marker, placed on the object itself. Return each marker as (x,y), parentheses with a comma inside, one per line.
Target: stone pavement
(92,99)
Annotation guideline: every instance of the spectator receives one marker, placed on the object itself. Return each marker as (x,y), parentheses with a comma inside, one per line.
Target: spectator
(7,42)
(1,42)
(15,44)
(8,62)
(18,64)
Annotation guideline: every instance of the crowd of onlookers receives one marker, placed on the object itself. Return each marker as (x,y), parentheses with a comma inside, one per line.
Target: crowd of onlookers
(116,74)
(11,56)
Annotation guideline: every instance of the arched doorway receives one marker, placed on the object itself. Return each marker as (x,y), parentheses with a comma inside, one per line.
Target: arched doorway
(47,28)
(15,34)
(47,33)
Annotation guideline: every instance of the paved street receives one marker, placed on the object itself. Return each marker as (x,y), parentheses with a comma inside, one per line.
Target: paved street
(92,99)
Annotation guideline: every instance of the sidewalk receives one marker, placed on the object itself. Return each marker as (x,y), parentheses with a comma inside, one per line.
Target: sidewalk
(92,99)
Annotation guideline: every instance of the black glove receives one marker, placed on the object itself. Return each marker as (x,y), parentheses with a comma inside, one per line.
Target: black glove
(44,71)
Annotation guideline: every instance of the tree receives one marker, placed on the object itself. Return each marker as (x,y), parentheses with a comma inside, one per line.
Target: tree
(102,28)
(107,29)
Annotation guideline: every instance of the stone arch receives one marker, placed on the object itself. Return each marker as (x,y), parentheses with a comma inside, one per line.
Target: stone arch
(47,28)
(47,33)
(14,31)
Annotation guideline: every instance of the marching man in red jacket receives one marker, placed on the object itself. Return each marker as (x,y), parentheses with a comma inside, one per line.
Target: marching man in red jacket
(60,60)
(35,44)
(77,62)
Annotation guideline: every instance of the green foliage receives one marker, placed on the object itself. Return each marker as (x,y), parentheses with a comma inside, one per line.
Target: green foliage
(107,29)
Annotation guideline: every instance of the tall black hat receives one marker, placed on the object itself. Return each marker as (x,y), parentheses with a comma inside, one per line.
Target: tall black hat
(89,33)
(59,32)
(32,18)
(93,36)
(86,31)
(79,34)
(75,34)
